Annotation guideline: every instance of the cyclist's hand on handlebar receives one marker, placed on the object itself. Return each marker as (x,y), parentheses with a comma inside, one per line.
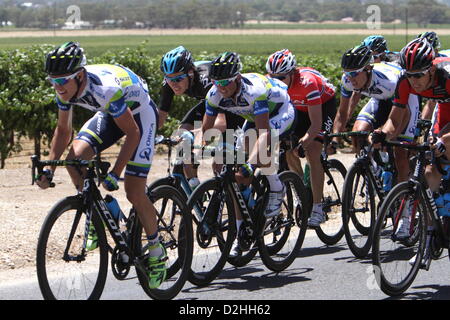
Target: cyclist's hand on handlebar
(376,138)
(438,146)
(111,182)
(44,180)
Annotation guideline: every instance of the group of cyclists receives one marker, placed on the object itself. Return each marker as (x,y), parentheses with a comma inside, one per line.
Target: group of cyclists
(289,101)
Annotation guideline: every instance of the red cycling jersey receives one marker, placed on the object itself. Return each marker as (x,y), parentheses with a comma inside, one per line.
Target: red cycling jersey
(309,88)
(439,90)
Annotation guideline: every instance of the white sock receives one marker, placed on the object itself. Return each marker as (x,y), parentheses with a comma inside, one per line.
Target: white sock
(275,183)
(317,207)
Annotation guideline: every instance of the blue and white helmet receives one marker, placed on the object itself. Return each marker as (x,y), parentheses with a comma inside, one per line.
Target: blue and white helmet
(375,43)
(177,60)
(281,62)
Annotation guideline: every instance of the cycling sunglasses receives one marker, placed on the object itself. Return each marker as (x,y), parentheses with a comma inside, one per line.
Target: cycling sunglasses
(224,82)
(176,78)
(417,75)
(61,80)
(279,77)
(355,73)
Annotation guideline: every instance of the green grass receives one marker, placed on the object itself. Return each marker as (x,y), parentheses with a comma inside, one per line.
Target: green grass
(323,45)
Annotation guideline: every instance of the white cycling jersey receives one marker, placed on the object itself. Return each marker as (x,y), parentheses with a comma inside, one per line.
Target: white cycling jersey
(382,83)
(111,89)
(257,94)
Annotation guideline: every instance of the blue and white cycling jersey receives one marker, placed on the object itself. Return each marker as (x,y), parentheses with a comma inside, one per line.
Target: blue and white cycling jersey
(382,83)
(257,94)
(111,89)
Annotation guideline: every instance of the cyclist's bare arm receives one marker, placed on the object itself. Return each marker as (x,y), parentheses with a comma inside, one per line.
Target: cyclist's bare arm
(132,133)
(62,135)
(162,116)
(428,109)
(354,99)
(208,123)
(315,116)
(393,125)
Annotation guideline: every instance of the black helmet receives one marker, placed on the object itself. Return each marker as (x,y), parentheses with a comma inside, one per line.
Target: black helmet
(375,43)
(357,58)
(176,60)
(65,59)
(432,38)
(225,66)
(417,55)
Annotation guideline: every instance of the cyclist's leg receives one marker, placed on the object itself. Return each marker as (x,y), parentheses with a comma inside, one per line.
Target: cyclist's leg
(97,134)
(368,119)
(407,128)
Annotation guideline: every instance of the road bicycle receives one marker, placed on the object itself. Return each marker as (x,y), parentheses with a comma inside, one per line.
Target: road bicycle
(331,231)
(278,239)
(364,190)
(67,270)
(397,261)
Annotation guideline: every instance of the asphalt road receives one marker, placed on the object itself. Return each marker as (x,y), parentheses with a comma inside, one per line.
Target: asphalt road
(319,273)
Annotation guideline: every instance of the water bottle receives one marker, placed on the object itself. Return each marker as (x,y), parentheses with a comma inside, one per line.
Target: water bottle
(246,193)
(114,208)
(386,176)
(194,183)
(440,204)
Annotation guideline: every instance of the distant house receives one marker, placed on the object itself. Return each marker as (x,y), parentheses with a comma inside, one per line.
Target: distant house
(348,19)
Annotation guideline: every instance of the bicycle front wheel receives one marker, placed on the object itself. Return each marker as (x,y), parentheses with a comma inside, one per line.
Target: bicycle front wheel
(332,230)
(175,233)
(284,234)
(213,236)
(358,210)
(396,263)
(65,271)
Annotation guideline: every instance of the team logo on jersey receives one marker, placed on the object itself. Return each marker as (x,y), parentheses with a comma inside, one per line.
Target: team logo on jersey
(145,154)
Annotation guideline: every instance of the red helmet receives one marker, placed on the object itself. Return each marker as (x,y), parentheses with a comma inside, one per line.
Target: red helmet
(417,55)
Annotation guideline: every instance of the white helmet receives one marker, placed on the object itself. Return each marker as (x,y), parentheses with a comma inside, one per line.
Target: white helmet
(281,62)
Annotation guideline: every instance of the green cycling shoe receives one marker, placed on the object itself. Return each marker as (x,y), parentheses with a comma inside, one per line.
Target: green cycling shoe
(157,269)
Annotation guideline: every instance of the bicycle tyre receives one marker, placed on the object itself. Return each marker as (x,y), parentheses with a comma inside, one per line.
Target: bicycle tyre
(382,236)
(182,247)
(56,212)
(360,249)
(211,188)
(333,237)
(298,216)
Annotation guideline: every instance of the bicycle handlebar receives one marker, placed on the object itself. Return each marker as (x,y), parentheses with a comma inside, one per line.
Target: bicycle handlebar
(100,166)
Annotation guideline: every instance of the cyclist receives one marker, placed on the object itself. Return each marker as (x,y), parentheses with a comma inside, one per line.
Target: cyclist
(265,105)
(313,96)
(183,76)
(378,45)
(123,108)
(433,39)
(429,77)
(377,81)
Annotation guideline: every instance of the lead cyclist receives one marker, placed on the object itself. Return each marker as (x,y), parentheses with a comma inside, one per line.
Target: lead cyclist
(123,108)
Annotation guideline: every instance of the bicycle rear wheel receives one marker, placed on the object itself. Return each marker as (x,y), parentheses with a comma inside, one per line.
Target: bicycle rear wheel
(396,263)
(175,233)
(284,234)
(358,210)
(332,230)
(64,271)
(213,239)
